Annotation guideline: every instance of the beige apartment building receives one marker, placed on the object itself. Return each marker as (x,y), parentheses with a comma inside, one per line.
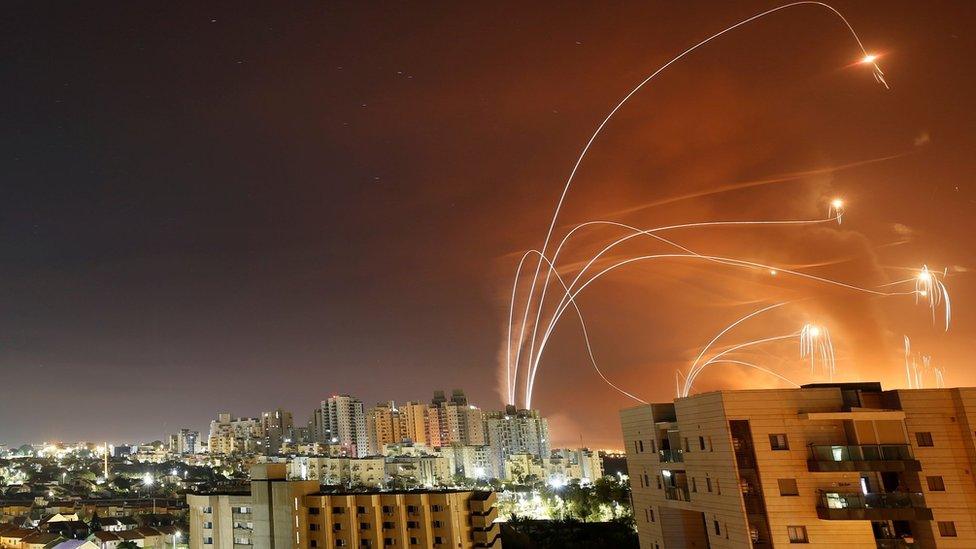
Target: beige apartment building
(278,513)
(825,465)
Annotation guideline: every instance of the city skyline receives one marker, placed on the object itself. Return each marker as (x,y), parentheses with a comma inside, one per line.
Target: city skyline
(238,211)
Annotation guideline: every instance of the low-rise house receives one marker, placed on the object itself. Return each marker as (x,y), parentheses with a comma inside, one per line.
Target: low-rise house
(11,538)
(133,536)
(39,540)
(105,539)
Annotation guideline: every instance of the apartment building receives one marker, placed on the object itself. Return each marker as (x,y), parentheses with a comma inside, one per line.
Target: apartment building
(278,513)
(514,431)
(825,465)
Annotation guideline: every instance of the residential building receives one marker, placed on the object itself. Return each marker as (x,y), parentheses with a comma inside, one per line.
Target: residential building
(275,428)
(295,514)
(515,431)
(230,435)
(382,427)
(457,422)
(184,442)
(824,465)
(340,471)
(413,422)
(474,462)
(411,471)
(343,419)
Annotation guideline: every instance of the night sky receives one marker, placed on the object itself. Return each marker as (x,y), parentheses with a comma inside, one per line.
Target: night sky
(236,208)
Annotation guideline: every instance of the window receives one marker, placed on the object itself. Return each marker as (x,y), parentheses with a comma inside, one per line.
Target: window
(387,525)
(313,510)
(787,487)
(340,543)
(687,448)
(411,509)
(659,482)
(798,534)
(653,446)
(936,484)
(388,541)
(718,531)
(640,445)
(313,543)
(436,508)
(947,529)
(414,541)
(312,527)
(647,480)
(718,488)
(337,510)
(387,510)
(364,543)
(649,514)
(438,540)
(437,524)
(364,526)
(337,526)
(701,443)
(778,441)
(361,510)
(708,484)
(711,448)
(694,485)
(924,438)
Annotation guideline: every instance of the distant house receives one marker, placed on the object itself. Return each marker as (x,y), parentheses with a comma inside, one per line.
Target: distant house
(151,536)
(105,539)
(12,537)
(134,537)
(39,540)
(68,529)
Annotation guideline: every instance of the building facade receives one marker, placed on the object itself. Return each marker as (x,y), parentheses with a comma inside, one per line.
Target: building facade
(825,465)
(280,513)
(513,431)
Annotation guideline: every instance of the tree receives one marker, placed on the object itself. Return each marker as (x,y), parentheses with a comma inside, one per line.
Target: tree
(127,545)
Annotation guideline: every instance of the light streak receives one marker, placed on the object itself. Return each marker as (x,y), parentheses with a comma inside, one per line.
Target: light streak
(716,259)
(879,76)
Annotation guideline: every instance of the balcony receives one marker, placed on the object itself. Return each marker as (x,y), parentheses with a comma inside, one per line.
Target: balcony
(881,506)
(485,520)
(865,457)
(671,456)
(676,493)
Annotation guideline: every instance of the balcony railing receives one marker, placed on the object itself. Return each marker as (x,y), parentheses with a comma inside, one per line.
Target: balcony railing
(861,452)
(671,456)
(676,493)
(857,500)
(862,457)
(875,506)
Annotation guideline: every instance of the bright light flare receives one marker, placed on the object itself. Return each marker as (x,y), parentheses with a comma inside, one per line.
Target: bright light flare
(869,58)
(836,210)
(816,345)
(934,292)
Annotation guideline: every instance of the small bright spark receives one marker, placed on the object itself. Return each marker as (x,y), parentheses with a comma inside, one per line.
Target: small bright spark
(870,58)
(837,203)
